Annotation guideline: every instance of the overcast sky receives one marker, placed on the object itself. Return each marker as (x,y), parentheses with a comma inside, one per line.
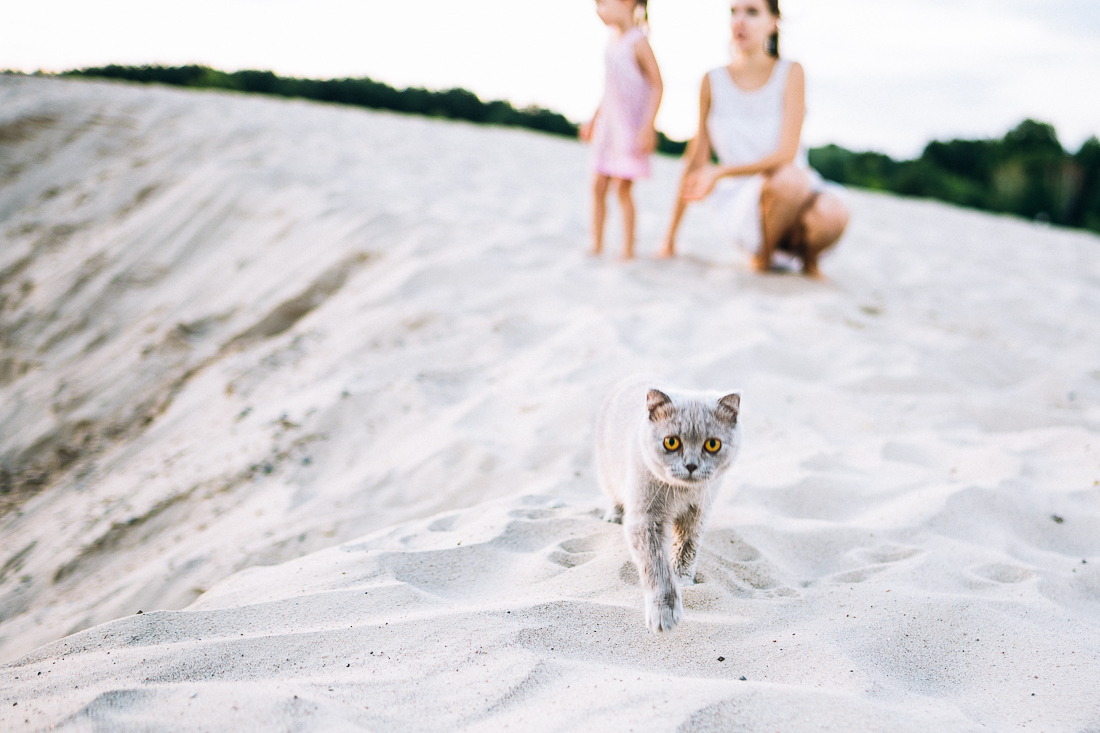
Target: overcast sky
(882,74)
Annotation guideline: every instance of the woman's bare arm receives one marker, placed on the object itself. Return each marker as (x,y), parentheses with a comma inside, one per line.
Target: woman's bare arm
(699,148)
(696,155)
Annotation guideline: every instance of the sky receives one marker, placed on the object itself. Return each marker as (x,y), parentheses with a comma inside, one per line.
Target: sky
(885,75)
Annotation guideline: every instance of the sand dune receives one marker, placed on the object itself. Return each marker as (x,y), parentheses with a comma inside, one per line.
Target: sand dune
(239,331)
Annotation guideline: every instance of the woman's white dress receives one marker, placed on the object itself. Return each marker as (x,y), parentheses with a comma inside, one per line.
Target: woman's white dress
(744,127)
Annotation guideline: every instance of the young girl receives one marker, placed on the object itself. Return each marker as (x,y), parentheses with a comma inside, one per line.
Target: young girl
(750,114)
(622,132)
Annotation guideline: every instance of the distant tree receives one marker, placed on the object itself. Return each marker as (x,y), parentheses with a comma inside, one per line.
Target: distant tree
(1085,211)
(1027,173)
(669,146)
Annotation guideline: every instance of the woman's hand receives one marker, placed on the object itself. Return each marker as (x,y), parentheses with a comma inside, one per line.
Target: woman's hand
(646,142)
(586,130)
(698,184)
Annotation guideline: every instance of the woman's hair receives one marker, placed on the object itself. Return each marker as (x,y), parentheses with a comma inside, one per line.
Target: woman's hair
(641,12)
(772,46)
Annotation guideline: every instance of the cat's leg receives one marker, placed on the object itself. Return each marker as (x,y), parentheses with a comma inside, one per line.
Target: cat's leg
(689,526)
(685,549)
(614,513)
(651,546)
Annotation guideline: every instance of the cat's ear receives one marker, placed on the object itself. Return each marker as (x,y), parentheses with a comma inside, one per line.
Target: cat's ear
(729,407)
(659,405)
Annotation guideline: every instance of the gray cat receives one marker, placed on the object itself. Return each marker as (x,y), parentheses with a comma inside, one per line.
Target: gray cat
(660,454)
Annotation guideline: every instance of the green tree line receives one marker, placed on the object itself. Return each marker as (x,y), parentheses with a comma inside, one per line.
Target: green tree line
(455,104)
(1027,172)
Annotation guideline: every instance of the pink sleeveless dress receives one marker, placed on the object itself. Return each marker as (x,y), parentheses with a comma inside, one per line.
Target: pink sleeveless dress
(622,112)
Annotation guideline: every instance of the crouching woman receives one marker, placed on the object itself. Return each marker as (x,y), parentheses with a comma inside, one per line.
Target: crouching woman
(750,116)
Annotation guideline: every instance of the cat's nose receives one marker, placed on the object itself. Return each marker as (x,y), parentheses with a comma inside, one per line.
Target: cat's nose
(691,467)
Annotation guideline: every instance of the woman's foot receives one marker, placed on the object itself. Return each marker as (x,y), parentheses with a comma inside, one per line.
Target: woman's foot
(809,269)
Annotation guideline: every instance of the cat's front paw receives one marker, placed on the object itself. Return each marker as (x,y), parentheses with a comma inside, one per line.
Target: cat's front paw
(664,614)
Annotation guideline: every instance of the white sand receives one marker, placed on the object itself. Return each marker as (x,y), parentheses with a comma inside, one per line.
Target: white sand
(883,556)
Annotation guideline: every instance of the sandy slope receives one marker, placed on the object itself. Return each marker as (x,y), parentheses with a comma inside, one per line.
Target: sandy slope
(237,330)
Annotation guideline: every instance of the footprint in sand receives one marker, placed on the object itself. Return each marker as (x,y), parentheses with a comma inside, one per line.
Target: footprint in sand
(876,559)
(755,575)
(857,576)
(583,544)
(1000,572)
(569,559)
(443,524)
(532,514)
(728,544)
(726,558)
(885,554)
(574,552)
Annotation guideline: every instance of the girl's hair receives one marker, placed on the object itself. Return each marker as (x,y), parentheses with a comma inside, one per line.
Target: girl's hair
(772,46)
(641,13)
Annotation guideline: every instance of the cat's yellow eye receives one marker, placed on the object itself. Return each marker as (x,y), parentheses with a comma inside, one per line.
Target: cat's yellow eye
(672,443)
(713,445)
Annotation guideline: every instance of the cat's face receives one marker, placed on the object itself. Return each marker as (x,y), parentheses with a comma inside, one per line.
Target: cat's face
(690,439)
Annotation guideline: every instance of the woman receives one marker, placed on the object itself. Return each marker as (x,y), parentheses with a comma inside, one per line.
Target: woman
(750,115)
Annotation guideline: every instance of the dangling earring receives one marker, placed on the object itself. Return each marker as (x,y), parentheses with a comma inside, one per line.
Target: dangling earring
(771,47)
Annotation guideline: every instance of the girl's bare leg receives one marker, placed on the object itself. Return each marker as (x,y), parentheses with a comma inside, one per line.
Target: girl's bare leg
(781,200)
(669,248)
(626,200)
(599,211)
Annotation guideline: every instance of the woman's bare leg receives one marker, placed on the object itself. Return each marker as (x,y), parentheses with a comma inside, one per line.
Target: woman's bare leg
(781,201)
(599,211)
(669,248)
(626,200)
(823,224)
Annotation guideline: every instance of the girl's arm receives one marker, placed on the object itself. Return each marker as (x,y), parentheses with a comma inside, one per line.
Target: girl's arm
(794,112)
(585,131)
(647,62)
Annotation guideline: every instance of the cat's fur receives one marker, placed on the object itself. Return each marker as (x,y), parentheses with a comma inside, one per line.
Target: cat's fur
(662,497)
